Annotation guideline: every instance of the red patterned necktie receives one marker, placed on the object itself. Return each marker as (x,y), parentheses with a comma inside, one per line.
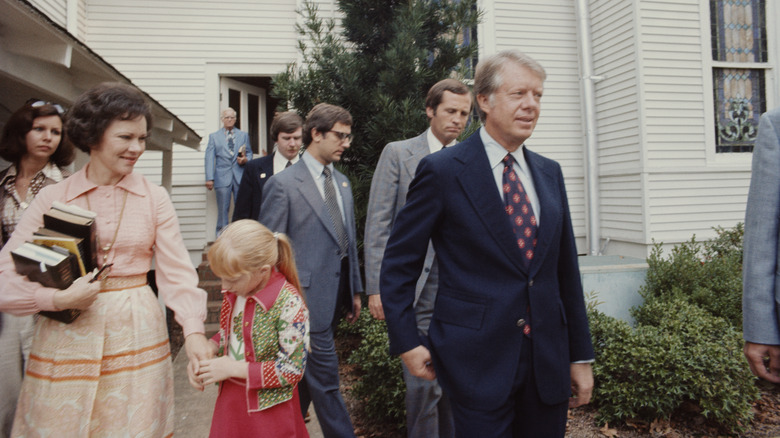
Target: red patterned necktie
(518,207)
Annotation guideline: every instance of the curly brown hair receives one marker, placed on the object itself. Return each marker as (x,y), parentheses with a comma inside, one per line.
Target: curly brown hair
(95,109)
(13,145)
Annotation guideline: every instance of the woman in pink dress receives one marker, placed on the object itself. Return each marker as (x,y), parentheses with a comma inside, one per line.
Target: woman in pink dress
(108,373)
(263,338)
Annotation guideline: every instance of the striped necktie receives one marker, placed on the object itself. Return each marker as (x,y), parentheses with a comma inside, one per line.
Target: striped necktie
(331,201)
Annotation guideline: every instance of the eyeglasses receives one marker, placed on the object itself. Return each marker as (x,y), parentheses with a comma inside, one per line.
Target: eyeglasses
(41,103)
(229,118)
(342,135)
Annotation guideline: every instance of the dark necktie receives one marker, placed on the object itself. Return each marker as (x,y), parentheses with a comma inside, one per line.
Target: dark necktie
(331,201)
(289,163)
(518,207)
(230,143)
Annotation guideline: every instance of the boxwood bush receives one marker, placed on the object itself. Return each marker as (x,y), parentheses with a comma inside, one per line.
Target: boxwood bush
(686,345)
(381,387)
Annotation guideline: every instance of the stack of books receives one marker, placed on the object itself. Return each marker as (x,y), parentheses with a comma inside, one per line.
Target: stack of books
(61,251)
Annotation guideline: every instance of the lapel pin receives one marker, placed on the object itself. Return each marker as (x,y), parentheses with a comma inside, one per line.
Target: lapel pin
(262,175)
(344,184)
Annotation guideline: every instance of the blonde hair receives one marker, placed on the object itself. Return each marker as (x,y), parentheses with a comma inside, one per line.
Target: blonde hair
(246,246)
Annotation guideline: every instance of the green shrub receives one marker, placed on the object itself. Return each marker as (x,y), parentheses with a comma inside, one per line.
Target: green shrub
(708,274)
(381,387)
(678,352)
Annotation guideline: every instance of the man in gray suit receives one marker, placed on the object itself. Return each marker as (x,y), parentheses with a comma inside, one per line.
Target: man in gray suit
(311,202)
(447,105)
(761,285)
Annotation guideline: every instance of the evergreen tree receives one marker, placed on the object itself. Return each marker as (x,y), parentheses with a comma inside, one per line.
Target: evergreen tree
(380,65)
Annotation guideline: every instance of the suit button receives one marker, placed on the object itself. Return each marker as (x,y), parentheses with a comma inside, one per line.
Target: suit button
(531,283)
(427,270)
(520,322)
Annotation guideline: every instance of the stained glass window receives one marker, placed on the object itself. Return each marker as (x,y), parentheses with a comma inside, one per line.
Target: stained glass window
(738,40)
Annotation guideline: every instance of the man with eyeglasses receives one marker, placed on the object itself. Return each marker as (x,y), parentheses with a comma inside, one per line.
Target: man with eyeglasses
(227,152)
(312,203)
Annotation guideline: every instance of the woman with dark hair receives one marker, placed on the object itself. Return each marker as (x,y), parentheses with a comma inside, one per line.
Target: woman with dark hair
(109,372)
(34,144)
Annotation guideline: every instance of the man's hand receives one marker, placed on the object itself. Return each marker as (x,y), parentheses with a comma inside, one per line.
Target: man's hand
(241,160)
(581,384)
(418,362)
(764,360)
(353,316)
(210,185)
(375,306)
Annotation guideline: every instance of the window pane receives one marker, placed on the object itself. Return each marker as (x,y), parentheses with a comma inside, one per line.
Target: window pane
(738,30)
(739,102)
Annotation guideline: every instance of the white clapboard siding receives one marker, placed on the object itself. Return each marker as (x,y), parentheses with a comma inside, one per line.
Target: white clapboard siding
(618,118)
(56,10)
(685,202)
(673,88)
(547,32)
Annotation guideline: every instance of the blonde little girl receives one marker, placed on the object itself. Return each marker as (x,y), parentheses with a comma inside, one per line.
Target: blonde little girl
(263,339)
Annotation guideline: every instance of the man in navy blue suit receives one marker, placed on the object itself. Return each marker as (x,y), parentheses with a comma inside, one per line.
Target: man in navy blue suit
(287,132)
(509,340)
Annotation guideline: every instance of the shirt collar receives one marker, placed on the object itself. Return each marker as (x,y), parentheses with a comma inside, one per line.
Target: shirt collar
(496,152)
(265,297)
(280,161)
(315,167)
(434,144)
(80,184)
(50,170)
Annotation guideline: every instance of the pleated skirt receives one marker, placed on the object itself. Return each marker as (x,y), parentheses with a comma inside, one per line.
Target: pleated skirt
(107,374)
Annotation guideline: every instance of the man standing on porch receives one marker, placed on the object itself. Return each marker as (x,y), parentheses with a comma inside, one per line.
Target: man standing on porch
(227,152)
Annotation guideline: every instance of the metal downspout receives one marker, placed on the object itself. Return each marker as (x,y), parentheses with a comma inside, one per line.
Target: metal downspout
(587,80)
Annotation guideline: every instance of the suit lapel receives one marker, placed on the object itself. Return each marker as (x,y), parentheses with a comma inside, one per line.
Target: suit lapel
(548,193)
(267,168)
(311,194)
(417,152)
(477,182)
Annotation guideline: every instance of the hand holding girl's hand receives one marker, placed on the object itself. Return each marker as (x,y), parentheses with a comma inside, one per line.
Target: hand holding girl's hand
(193,376)
(79,295)
(221,368)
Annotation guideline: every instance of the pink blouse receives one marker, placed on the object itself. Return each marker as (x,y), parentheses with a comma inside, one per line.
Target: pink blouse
(149,228)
